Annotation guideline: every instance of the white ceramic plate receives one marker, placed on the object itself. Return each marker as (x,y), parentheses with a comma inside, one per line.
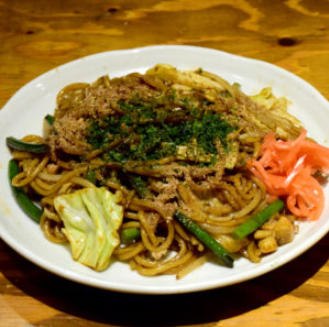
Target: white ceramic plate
(24,112)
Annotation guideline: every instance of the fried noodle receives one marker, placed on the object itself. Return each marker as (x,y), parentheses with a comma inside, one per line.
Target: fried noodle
(165,139)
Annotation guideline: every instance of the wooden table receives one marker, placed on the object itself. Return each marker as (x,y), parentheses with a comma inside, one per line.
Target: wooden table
(39,35)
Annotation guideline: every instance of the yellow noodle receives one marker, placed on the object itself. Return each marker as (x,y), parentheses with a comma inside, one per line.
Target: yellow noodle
(130,215)
(181,231)
(218,209)
(149,205)
(233,194)
(47,200)
(142,261)
(23,179)
(51,215)
(154,247)
(147,233)
(59,235)
(19,155)
(43,185)
(82,182)
(129,252)
(256,151)
(180,258)
(49,177)
(66,165)
(115,186)
(243,212)
(38,189)
(215,229)
(65,189)
(131,224)
(231,244)
(33,139)
(253,254)
(129,198)
(63,180)
(242,186)
(195,242)
(231,199)
(48,229)
(192,266)
(94,154)
(191,201)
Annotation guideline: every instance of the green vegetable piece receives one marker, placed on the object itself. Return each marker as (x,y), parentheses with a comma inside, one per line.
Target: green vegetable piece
(26,146)
(139,186)
(130,234)
(258,220)
(135,182)
(91,176)
(205,238)
(92,217)
(25,203)
(50,120)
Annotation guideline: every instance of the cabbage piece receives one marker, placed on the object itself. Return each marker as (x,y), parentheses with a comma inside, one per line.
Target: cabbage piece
(91,218)
(287,126)
(195,80)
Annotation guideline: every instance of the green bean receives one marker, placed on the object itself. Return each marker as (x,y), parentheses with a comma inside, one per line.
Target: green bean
(205,238)
(37,148)
(50,120)
(25,203)
(135,182)
(91,176)
(258,220)
(130,234)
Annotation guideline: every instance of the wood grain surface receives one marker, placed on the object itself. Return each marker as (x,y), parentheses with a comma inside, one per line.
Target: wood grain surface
(36,36)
